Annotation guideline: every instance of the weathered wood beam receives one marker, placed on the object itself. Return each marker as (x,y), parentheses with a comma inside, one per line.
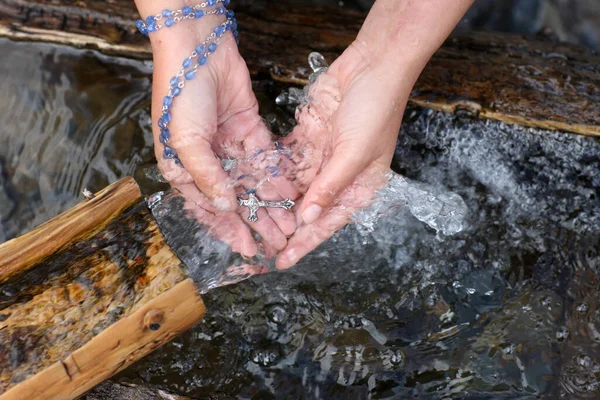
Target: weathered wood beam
(87,294)
(507,78)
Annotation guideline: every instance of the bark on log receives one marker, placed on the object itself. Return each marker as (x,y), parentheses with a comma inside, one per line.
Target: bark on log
(502,77)
(87,294)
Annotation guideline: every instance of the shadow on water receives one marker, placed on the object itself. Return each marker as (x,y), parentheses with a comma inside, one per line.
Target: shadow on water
(508,308)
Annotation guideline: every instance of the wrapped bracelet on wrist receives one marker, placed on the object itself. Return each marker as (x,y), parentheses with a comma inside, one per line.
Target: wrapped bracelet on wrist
(190,65)
(168,18)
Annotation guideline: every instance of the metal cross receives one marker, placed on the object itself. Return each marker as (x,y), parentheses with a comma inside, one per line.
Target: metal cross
(253,204)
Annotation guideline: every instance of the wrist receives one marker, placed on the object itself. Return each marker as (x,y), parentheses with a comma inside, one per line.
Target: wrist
(175,43)
(407,33)
(179,23)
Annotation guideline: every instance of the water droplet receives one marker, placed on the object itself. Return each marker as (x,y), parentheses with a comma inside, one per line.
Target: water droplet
(562,333)
(317,62)
(278,315)
(583,307)
(154,199)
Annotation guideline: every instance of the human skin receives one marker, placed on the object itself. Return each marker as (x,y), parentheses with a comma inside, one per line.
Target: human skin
(216,116)
(355,133)
(354,138)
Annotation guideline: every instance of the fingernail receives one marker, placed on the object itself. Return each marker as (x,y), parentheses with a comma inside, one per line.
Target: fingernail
(222,204)
(312,213)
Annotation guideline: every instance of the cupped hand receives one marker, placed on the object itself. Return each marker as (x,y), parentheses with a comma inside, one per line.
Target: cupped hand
(343,145)
(216,117)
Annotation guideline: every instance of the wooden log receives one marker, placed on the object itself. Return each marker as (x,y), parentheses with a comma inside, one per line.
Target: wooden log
(534,83)
(87,294)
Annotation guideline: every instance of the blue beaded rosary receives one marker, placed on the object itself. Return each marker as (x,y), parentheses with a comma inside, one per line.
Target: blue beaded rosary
(189,68)
(187,72)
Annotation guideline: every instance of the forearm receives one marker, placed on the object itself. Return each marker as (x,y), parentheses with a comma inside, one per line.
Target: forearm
(408,32)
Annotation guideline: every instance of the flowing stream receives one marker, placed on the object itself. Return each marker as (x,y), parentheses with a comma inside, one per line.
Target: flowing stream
(506,308)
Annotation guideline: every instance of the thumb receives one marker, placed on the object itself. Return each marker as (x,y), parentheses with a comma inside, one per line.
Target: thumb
(340,171)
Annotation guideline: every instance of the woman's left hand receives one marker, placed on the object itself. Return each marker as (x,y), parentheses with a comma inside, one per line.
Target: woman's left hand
(346,136)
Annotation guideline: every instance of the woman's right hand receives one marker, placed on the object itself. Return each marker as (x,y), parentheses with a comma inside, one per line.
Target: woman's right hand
(215,117)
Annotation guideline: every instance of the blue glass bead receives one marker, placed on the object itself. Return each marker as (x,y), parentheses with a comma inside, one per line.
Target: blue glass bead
(235,34)
(174,81)
(187,10)
(198,14)
(150,20)
(226,2)
(162,139)
(164,136)
(139,24)
(212,2)
(190,75)
(167,13)
(201,49)
(186,63)
(237,41)
(273,170)
(250,191)
(221,10)
(169,152)
(144,30)
(162,123)
(166,117)
(219,30)
(178,162)
(169,22)
(176,92)
(167,101)
(151,28)
(230,13)
(212,47)
(202,60)
(234,25)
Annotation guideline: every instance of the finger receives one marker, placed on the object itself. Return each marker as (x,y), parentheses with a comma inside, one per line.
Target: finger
(341,170)
(256,142)
(260,139)
(266,228)
(237,273)
(197,156)
(285,219)
(269,251)
(309,237)
(224,226)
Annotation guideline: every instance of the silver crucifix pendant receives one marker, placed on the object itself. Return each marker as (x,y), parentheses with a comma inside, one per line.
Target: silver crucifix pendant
(253,204)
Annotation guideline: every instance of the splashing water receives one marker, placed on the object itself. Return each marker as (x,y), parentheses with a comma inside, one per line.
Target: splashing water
(443,211)
(212,263)
(506,309)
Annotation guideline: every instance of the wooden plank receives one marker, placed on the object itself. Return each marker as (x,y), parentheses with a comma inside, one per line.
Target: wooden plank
(86,219)
(507,78)
(126,341)
(102,290)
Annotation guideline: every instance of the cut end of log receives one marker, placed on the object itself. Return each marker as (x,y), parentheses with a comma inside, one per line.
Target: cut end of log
(101,290)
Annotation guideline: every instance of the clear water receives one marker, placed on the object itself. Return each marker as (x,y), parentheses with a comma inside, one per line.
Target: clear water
(69,120)
(508,308)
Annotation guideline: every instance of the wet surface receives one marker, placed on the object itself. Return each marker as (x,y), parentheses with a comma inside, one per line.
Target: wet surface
(506,309)
(69,120)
